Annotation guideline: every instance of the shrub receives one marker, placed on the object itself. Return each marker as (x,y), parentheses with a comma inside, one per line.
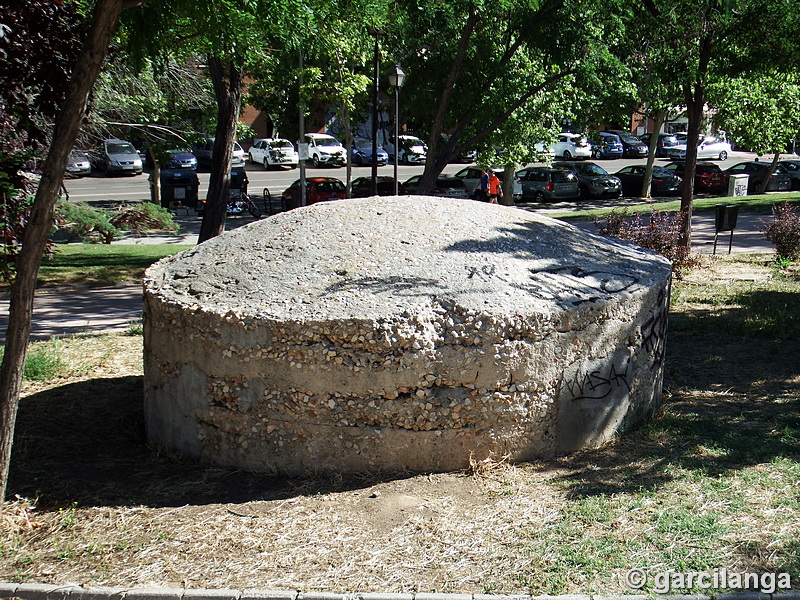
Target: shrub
(784,231)
(84,222)
(660,233)
(143,216)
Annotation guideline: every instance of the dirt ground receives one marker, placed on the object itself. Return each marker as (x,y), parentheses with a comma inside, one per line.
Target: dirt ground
(96,505)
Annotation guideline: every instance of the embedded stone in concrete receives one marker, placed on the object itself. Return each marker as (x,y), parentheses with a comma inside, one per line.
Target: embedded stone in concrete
(401,334)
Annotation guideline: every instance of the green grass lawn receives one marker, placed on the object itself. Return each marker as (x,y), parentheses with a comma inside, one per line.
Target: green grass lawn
(759,204)
(101,263)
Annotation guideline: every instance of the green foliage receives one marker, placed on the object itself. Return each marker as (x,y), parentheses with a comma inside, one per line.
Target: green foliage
(763,113)
(784,231)
(82,221)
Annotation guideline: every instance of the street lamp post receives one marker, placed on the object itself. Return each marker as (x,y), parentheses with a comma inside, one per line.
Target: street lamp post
(396,79)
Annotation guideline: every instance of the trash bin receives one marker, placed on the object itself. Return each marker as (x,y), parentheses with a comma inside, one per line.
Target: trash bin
(725,217)
(179,185)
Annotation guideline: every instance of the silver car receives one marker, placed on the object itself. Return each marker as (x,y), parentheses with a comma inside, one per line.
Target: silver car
(117,157)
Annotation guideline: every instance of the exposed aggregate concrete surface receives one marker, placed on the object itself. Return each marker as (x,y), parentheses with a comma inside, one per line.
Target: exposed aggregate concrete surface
(401,334)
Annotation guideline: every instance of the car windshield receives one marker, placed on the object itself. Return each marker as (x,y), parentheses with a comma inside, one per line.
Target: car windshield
(327,142)
(590,169)
(120,148)
(609,139)
(791,166)
(77,155)
(237,147)
(280,144)
(362,144)
(178,151)
(662,172)
(669,140)
(408,142)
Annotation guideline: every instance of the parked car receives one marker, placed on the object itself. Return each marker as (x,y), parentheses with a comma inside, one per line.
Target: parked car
(708,146)
(540,184)
(445,186)
(632,147)
(318,189)
(664,143)
(780,181)
(324,149)
(411,150)
(664,181)
(180,158)
(708,177)
(115,156)
(607,145)
(273,152)
(572,145)
(793,168)
(361,187)
(78,164)
(593,180)
(204,151)
(361,153)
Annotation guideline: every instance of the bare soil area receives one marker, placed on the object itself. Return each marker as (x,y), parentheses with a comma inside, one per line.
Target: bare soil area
(713,482)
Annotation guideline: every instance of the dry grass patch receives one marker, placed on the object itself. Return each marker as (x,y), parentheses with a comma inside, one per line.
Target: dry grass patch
(712,482)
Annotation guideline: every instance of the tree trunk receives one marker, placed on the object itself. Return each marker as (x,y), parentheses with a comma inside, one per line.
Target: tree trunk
(508,185)
(762,187)
(228,91)
(658,122)
(92,56)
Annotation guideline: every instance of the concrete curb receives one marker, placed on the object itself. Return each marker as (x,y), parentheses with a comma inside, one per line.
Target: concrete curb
(38,591)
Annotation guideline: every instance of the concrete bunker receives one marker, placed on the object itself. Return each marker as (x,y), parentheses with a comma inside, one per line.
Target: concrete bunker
(401,334)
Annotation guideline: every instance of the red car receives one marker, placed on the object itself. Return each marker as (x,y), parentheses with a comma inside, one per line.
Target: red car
(318,189)
(708,177)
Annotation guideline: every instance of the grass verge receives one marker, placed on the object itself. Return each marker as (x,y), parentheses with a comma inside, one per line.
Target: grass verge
(101,263)
(713,482)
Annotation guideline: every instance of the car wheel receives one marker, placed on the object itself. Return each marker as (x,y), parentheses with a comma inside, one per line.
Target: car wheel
(359,161)
(539,197)
(583,193)
(252,160)
(266,165)
(723,155)
(567,155)
(315,160)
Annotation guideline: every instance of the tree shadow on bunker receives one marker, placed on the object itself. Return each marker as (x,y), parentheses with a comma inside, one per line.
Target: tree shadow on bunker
(730,403)
(85,443)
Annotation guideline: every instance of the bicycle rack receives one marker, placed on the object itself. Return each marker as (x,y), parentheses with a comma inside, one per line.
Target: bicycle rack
(266,198)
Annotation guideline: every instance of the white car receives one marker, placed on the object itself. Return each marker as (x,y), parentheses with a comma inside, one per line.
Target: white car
(272,152)
(708,146)
(471,176)
(572,145)
(412,150)
(324,149)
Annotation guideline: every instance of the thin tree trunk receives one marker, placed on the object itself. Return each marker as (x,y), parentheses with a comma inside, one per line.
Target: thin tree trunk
(93,54)
(762,187)
(228,90)
(658,122)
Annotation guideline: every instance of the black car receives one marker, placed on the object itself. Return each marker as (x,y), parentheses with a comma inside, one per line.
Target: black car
(632,147)
(593,180)
(665,141)
(708,177)
(664,181)
(793,168)
(756,171)
(361,187)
